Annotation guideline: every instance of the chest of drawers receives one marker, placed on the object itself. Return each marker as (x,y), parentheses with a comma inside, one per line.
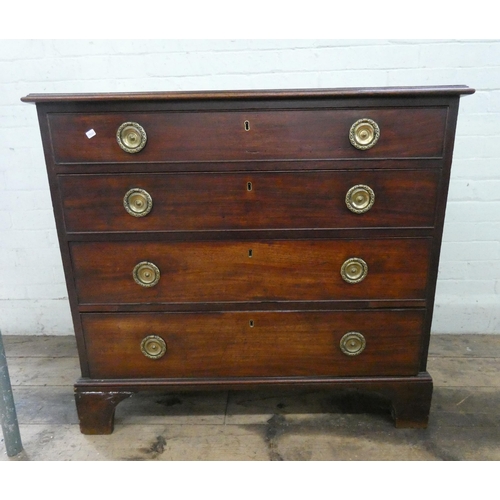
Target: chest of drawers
(235,240)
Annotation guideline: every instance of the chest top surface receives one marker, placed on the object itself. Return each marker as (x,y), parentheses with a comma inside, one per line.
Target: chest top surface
(408,91)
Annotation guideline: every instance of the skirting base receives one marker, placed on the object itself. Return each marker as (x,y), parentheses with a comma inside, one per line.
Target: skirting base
(409,397)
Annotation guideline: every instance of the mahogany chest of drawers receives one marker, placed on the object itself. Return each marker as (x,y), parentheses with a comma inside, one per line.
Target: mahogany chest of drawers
(235,240)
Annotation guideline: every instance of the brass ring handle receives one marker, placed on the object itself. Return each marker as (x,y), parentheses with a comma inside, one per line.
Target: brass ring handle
(138,202)
(354,270)
(364,134)
(131,137)
(352,343)
(360,198)
(153,347)
(146,274)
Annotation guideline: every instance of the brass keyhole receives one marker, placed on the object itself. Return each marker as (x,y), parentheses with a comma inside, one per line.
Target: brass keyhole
(247,125)
(249,186)
(251,323)
(250,253)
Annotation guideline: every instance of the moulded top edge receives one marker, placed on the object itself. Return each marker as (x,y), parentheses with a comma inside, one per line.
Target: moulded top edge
(253,94)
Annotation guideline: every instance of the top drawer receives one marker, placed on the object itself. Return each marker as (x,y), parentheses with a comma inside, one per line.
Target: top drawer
(306,134)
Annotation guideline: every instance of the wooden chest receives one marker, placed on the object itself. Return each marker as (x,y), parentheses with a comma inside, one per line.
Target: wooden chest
(234,240)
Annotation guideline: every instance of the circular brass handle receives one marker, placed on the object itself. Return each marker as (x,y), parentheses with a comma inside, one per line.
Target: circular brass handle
(354,270)
(138,202)
(364,134)
(360,198)
(146,274)
(153,347)
(131,137)
(352,343)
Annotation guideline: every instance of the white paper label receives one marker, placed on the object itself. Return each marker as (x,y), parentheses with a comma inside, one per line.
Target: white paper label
(90,133)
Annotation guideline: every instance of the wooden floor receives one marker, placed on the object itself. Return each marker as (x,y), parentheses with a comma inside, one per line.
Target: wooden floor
(258,426)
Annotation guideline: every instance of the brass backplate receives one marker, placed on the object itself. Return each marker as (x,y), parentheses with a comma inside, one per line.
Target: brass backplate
(131,137)
(364,133)
(153,347)
(360,198)
(352,343)
(354,270)
(137,202)
(146,274)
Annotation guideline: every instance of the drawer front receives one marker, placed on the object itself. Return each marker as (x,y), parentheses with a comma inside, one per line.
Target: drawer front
(250,271)
(256,344)
(202,202)
(247,135)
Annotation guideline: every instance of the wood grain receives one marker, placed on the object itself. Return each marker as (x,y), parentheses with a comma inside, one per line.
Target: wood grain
(225,202)
(278,344)
(221,135)
(276,271)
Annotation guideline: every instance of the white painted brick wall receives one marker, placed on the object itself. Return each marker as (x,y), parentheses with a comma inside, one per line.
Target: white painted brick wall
(33,297)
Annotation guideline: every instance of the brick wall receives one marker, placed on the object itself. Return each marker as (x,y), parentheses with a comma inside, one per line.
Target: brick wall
(33,297)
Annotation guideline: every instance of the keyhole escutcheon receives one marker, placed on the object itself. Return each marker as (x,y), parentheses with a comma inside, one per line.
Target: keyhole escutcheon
(246,124)
(249,186)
